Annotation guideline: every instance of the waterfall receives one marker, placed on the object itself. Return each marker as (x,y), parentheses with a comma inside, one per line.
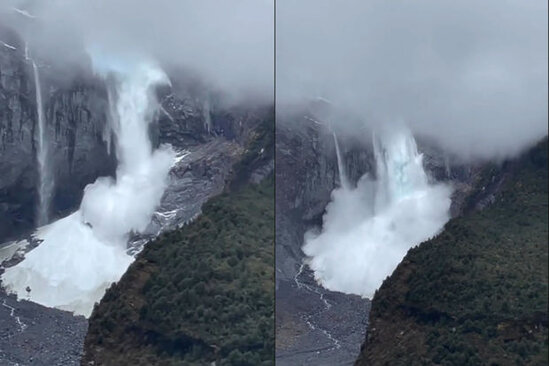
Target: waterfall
(46,183)
(110,125)
(447,167)
(399,168)
(340,165)
(367,230)
(207,116)
(83,253)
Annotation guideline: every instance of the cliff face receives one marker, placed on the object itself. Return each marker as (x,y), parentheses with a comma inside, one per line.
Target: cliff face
(75,120)
(16,127)
(476,293)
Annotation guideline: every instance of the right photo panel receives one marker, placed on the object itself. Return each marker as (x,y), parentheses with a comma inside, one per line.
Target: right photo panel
(411,182)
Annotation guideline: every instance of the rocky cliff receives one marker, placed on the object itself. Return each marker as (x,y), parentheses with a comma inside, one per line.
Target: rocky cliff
(76,116)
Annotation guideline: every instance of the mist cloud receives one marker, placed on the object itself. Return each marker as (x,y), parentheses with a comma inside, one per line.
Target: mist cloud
(227,43)
(473,75)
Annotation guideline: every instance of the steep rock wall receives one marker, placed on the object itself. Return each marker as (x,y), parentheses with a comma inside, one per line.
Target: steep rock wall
(75,120)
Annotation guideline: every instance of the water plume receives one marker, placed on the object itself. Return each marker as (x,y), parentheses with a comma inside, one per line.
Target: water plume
(368,229)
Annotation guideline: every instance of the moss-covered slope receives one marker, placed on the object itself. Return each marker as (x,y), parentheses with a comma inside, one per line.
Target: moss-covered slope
(477,293)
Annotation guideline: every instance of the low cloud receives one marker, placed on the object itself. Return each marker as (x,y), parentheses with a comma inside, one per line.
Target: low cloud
(230,45)
(472,75)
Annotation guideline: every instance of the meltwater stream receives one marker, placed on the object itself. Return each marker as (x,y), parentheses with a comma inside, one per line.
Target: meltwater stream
(83,253)
(367,230)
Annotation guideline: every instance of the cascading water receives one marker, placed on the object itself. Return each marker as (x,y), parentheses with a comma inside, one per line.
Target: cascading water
(207,117)
(111,125)
(46,183)
(340,166)
(367,230)
(83,253)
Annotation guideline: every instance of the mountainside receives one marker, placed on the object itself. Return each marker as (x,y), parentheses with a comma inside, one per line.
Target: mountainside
(477,293)
(203,292)
(76,116)
(207,134)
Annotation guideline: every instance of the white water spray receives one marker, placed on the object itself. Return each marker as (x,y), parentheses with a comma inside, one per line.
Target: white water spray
(82,254)
(45,188)
(367,230)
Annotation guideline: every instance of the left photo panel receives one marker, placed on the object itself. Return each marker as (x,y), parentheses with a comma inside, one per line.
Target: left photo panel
(137,182)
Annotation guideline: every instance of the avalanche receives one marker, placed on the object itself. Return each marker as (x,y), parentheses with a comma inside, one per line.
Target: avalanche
(83,253)
(367,230)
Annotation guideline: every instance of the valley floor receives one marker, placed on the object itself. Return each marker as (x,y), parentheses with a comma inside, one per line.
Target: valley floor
(31,334)
(315,326)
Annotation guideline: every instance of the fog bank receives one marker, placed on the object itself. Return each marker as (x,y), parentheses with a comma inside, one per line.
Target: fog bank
(228,44)
(472,75)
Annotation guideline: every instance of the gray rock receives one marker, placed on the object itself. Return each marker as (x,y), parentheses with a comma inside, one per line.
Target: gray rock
(75,120)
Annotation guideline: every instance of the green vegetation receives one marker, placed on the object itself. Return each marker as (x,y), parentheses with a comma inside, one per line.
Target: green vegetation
(199,294)
(477,294)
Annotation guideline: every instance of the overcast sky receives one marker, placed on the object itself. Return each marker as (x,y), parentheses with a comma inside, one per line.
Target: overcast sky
(472,74)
